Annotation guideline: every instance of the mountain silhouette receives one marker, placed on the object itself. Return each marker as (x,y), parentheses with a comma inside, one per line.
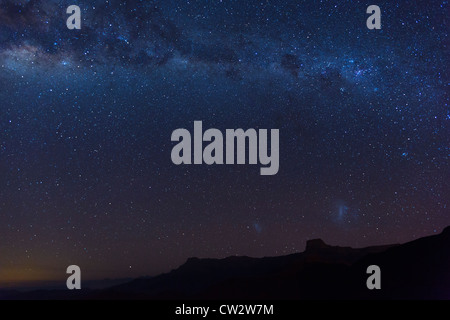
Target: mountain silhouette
(419,269)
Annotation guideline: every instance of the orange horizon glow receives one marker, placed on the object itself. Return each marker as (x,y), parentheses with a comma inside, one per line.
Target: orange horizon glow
(10,277)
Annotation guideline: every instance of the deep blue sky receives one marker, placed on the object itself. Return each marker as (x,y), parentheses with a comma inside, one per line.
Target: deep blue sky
(86,117)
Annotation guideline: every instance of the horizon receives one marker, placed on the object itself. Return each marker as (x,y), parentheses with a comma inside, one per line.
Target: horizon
(360,118)
(101,283)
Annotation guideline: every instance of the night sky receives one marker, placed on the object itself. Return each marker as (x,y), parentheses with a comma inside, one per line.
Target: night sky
(86,117)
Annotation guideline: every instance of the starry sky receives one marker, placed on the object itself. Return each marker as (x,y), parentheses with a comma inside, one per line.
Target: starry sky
(86,117)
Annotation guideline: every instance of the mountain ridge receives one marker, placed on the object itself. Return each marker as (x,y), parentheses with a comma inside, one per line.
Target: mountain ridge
(419,269)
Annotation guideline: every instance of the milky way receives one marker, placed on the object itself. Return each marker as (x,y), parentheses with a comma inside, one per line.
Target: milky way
(86,117)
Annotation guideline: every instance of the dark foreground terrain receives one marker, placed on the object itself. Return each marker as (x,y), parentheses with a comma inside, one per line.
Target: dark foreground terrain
(415,270)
